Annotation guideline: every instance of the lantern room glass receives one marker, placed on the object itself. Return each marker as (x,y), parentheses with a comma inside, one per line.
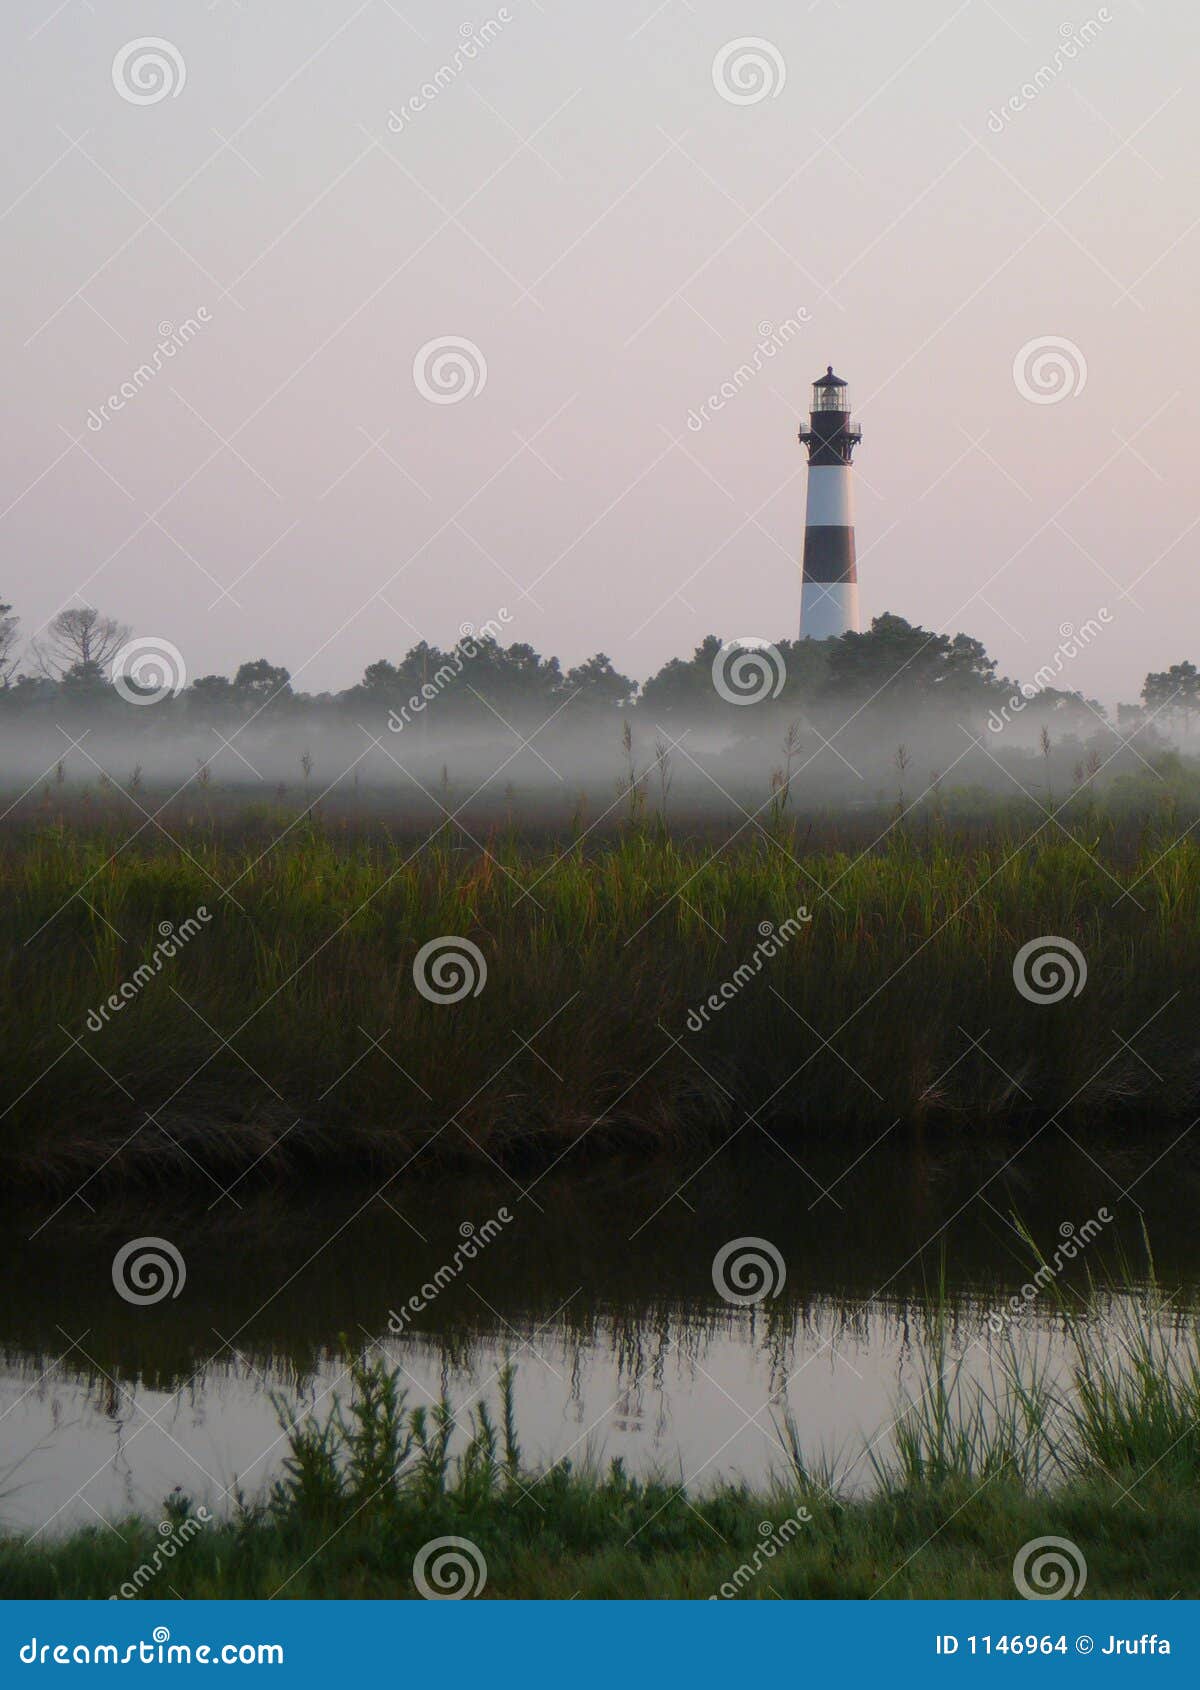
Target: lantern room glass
(830,398)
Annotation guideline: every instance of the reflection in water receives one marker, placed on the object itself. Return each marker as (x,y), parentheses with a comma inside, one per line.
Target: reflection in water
(602,1293)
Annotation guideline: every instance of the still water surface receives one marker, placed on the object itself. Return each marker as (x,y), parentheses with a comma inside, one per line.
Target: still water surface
(600,1288)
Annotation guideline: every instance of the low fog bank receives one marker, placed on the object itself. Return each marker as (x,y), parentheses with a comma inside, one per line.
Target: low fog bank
(896,715)
(616,765)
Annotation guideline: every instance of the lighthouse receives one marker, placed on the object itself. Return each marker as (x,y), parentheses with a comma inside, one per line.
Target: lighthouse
(829,592)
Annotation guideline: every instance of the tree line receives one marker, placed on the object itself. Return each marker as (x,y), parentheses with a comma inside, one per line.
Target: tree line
(894,664)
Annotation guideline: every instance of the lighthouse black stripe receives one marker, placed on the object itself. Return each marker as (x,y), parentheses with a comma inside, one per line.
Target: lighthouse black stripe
(822,453)
(829,555)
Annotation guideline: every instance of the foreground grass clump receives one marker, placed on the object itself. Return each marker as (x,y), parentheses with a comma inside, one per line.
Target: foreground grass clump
(978,1473)
(948,1542)
(665,985)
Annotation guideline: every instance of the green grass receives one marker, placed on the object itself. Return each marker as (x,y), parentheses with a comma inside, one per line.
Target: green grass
(977,1472)
(307,958)
(949,1542)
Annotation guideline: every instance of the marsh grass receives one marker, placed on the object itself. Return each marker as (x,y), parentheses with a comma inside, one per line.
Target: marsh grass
(597,949)
(1134,1403)
(1137,1400)
(959,1427)
(1124,1410)
(376,1454)
(367,1484)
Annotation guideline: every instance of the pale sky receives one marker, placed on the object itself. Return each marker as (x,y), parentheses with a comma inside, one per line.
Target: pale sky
(582,204)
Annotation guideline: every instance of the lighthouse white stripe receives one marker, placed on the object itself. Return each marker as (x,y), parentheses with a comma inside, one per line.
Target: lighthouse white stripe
(828,610)
(830,496)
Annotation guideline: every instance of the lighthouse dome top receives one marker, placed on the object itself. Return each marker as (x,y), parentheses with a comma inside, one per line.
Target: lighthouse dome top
(830,394)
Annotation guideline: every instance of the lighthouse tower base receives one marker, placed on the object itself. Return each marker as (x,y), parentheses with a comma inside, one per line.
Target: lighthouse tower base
(828,609)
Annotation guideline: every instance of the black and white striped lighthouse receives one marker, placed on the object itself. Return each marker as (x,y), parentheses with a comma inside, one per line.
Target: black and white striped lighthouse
(829,593)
